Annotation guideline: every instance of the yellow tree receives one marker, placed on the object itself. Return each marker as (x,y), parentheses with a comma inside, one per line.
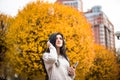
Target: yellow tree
(105,65)
(29,33)
(5,22)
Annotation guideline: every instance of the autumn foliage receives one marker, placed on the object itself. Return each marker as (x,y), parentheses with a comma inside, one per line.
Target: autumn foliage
(105,65)
(29,33)
(5,22)
(24,38)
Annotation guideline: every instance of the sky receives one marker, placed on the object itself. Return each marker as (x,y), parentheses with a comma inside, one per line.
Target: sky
(109,7)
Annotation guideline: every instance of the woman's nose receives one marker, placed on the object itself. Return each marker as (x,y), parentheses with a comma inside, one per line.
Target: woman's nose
(58,40)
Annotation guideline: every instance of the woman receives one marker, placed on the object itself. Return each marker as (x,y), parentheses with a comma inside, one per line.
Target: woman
(56,61)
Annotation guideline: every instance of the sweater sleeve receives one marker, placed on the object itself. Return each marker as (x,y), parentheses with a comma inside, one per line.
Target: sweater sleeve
(51,57)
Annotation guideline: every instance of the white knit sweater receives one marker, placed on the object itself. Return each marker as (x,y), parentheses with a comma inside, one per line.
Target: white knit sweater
(54,72)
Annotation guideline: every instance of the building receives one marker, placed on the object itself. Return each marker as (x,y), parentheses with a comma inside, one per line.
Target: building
(103,29)
(74,3)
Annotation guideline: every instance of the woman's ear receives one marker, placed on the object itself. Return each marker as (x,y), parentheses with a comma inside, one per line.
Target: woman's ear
(64,41)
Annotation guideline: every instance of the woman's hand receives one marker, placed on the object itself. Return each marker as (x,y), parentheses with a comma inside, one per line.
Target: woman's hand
(71,71)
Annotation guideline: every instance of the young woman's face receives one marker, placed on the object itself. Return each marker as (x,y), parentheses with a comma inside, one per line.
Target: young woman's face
(59,41)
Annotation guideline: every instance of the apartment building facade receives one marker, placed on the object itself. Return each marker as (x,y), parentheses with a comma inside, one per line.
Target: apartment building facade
(103,29)
(74,3)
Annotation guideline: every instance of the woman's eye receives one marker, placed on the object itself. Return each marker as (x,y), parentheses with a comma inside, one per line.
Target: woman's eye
(60,38)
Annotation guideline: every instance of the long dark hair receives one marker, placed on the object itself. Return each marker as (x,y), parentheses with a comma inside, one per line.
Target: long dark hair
(52,40)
